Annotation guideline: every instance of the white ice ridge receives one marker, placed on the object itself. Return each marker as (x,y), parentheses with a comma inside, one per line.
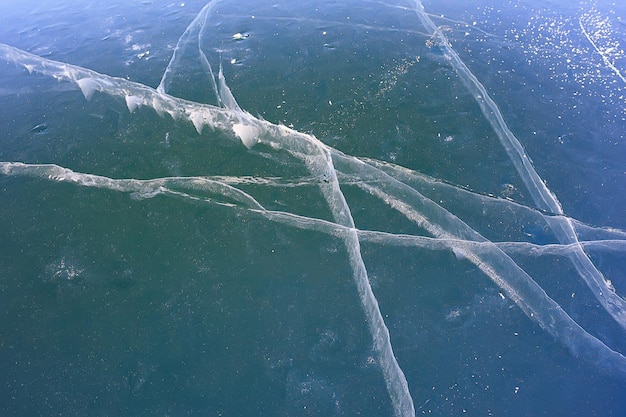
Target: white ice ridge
(314,154)
(192,38)
(542,196)
(323,162)
(195,188)
(316,157)
(137,95)
(490,259)
(219,190)
(425,184)
(450,234)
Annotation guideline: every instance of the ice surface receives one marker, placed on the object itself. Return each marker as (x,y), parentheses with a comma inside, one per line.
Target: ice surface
(436,207)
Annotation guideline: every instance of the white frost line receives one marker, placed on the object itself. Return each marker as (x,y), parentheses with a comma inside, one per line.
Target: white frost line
(182,43)
(606,60)
(544,198)
(222,185)
(318,159)
(512,279)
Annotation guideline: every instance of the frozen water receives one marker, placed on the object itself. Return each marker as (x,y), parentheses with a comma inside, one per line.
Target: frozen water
(359,141)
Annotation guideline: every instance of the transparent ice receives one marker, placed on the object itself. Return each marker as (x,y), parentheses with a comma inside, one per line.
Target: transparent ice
(481,224)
